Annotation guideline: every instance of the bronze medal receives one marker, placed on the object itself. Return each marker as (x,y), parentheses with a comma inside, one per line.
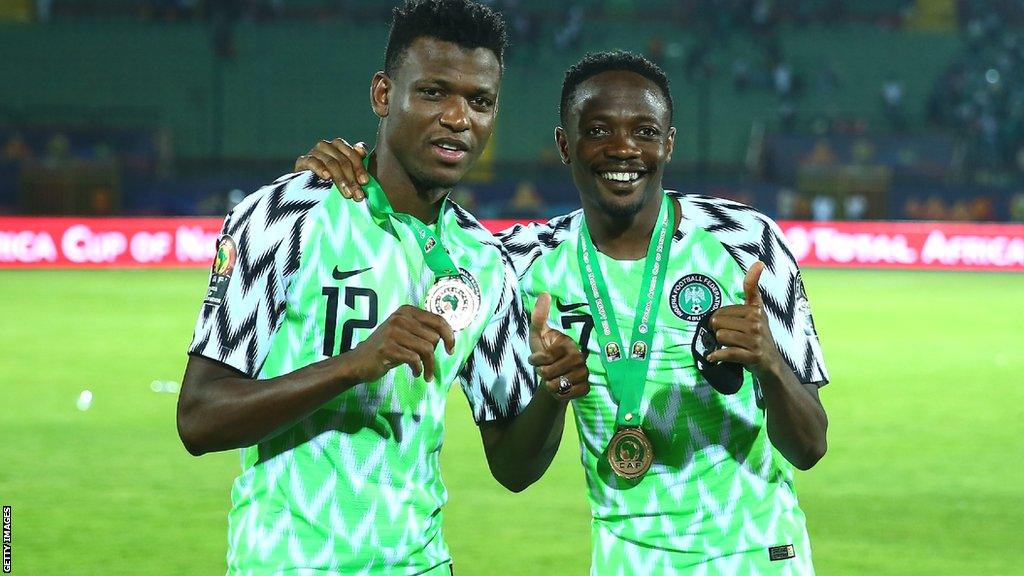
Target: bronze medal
(630,453)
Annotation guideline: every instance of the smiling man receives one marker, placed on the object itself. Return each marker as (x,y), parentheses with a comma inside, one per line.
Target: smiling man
(681,478)
(688,457)
(316,351)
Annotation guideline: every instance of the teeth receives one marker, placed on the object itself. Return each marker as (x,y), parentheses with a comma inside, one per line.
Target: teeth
(447,146)
(621,176)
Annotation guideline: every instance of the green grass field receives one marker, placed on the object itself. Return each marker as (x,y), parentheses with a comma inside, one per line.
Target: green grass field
(924,475)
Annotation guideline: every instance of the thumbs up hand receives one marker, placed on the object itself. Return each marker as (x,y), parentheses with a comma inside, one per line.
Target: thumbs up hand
(751,292)
(541,336)
(743,329)
(556,357)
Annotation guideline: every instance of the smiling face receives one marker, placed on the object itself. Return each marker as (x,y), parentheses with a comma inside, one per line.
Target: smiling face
(438,109)
(617,140)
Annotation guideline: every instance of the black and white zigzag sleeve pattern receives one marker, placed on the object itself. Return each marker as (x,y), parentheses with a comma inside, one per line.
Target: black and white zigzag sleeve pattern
(267,228)
(526,243)
(750,236)
(497,377)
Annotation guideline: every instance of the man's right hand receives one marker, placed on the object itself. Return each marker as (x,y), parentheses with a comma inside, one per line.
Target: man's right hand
(556,357)
(409,336)
(339,161)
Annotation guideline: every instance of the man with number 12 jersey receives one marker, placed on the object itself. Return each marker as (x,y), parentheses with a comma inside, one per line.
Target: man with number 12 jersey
(312,275)
(332,331)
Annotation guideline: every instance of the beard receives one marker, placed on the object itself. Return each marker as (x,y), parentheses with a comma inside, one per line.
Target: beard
(432,187)
(622,208)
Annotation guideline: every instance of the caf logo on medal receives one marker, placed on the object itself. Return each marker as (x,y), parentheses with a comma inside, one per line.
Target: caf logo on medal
(630,453)
(456,299)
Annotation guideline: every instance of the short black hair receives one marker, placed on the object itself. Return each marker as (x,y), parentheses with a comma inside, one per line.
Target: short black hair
(461,22)
(595,63)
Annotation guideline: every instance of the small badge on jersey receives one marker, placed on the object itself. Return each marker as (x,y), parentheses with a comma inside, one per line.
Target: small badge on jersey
(220,274)
(781,552)
(803,308)
(693,296)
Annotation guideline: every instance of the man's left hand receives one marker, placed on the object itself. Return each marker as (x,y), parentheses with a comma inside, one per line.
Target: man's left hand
(744,331)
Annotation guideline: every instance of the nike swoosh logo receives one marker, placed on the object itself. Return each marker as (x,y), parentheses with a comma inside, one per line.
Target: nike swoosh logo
(567,307)
(339,275)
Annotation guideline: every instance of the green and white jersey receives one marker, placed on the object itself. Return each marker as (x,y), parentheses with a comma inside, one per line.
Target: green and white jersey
(718,499)
(303,274)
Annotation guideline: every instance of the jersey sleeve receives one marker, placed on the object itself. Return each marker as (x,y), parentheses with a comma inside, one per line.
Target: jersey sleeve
(525,243)
(497,377)
(257,253)
(751,236)
(787,305)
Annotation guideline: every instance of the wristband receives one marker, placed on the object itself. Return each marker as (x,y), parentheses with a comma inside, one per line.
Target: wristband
(726,377)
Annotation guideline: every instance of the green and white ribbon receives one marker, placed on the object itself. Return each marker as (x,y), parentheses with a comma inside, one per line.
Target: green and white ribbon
(627,367)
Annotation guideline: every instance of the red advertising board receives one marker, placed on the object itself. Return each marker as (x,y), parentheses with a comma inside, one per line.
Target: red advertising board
(107,242)
(925,245)
(176,242)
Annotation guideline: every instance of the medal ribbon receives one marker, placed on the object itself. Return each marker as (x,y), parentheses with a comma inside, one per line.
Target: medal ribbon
(434,254)
(628,375)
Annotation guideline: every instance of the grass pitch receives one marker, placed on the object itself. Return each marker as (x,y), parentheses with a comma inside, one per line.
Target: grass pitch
(924,473)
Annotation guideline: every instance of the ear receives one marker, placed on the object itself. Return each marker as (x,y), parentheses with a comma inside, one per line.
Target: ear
(563,145)
(671,143)
(380,94)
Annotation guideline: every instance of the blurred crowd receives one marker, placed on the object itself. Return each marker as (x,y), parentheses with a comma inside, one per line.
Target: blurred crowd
(728,15)
(981,92)
(740,43)
(758,62)
(160,10)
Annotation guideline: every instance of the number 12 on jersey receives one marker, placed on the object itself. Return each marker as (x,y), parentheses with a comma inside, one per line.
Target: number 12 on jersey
(331,318)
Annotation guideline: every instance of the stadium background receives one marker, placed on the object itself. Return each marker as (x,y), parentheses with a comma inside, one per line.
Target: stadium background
(823,111)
